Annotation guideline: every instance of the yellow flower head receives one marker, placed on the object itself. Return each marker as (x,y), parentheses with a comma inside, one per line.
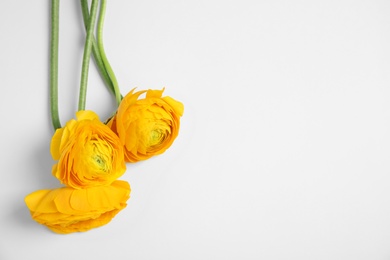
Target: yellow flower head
(66,210)
(148,126)
(89,154)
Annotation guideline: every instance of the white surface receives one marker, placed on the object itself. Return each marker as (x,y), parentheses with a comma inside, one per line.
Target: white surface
(285,142)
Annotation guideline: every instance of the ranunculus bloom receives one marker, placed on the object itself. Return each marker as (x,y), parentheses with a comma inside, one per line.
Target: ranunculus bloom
(89,153)
(66,210)
(148,126)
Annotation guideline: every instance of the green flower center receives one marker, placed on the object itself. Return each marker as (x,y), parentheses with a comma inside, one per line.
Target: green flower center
(157,136)
(98,155)
(100,162)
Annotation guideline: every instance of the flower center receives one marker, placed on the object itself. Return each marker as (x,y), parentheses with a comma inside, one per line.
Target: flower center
(100,156)
(157,136)
(100,162)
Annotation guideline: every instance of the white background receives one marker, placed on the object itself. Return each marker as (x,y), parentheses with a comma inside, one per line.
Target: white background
(284,147)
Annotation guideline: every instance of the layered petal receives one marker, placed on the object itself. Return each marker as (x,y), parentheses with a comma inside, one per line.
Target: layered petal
(89,153)
(67,210)
(146,126)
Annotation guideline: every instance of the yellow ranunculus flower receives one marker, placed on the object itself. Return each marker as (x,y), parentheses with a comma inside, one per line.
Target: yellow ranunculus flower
(148,126)
(66,210)
(89,153)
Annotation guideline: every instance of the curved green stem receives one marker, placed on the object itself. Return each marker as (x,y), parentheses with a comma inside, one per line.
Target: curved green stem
(95,50)
(87,55)
(107,65)
(55,11)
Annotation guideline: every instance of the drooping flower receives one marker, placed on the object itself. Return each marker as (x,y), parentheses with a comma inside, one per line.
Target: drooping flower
(89,153)
(67,210)
(148,126)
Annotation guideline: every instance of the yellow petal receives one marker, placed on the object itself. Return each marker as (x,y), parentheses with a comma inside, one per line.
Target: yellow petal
(41,200)
(147,126)
(55,144)
(177,106)
(154,93)
(86,115)
(90,154)
(66,210)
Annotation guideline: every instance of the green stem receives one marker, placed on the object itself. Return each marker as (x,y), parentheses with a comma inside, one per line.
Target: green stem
(95,50)
(87,55)
(107,65)
(55,11)
(103,64)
